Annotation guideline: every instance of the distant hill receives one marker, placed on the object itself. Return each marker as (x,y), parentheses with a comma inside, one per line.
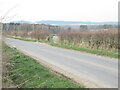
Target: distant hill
(65,22)
(21,22)
(73,22)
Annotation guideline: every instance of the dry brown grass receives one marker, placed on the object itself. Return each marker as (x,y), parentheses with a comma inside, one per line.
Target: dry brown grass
(107,40)
(6,81)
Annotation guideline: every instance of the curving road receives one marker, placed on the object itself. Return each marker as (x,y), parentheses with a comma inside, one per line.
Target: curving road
(92,71)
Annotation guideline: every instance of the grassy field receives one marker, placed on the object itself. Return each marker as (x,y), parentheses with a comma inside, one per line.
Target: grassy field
(68,46)
(21,71)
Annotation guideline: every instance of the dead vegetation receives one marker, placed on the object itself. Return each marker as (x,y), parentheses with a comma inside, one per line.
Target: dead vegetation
(6,65)
(105,40)
(104,37)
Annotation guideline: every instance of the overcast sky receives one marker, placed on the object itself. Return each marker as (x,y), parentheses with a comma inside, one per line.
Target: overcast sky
(66,10)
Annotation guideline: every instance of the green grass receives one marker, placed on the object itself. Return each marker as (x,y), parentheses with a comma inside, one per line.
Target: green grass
(97,52)
(68,46)
(26,72)
(22,39)
(25,39)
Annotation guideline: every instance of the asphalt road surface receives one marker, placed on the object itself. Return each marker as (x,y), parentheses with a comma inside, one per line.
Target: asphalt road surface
(98,70)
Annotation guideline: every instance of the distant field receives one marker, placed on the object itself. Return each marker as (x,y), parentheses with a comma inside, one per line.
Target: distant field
(68,46)
(22,71)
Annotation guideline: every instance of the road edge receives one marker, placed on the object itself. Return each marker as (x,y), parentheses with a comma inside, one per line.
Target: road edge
(59,71)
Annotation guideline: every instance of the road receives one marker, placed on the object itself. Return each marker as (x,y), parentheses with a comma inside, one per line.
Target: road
(88,69)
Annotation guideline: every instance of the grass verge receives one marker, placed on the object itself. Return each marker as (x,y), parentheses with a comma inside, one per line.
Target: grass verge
(68,46)
(97,52)
(21,71)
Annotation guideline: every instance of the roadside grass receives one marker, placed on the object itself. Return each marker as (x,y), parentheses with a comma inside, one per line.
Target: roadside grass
(25,39)
(97,52)
(22,39)
(21,71)
(68,46)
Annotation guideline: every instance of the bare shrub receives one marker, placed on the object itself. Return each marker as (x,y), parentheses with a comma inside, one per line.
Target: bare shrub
(96,40)
(40,34)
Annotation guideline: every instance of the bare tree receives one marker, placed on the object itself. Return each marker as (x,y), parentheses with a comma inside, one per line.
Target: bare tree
(2,18)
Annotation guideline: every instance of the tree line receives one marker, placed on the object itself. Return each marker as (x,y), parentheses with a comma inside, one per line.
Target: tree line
(93,37)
